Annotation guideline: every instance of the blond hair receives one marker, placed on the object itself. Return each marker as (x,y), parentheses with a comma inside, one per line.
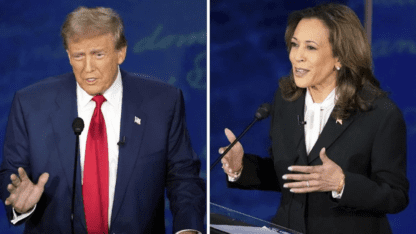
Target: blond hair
(85,22)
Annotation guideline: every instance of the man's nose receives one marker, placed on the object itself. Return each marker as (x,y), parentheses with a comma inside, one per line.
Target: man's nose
(89,64)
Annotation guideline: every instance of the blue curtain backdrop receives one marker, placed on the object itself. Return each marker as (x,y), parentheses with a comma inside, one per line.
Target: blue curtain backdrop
(248,56)
(166,39)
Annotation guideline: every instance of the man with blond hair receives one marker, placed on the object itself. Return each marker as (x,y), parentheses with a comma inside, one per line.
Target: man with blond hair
(134,145)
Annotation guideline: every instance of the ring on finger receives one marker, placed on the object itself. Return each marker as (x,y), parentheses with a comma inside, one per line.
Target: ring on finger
(307,183)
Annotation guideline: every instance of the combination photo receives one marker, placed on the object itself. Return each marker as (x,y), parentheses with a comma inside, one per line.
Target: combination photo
(207,117)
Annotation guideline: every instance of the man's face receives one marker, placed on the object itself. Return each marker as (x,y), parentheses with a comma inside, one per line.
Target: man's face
(95,61)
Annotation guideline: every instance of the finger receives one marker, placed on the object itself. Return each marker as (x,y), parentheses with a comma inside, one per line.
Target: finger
(228,170)
(301,184)
(230,135)
(11,188)
(43,179)
(323,156)
(7,202)
(224,160)
(15,180)
(304,190)
(230,173)
(300,177)
(22,174)
(304,169)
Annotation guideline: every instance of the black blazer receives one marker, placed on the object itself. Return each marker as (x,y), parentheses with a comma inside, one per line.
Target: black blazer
(370,147)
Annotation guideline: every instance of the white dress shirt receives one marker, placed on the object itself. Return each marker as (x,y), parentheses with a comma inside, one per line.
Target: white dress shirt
(316,116)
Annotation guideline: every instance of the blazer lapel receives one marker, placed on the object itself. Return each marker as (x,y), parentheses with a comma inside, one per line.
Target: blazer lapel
(61,117)
(297,201)
(330,133)
(133,133)
(299,134)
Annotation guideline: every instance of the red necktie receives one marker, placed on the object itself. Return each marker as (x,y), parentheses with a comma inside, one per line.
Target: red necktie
(95,184)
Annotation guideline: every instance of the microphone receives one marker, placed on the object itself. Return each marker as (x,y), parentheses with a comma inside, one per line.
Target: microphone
(300,122)
(77,126)
(262,112)
(122,142)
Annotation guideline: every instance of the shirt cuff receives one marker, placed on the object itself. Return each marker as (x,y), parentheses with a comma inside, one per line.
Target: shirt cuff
(17,218)
(188,231)
(338,195)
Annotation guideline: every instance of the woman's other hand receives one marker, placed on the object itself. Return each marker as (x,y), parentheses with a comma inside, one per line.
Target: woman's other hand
(323,178)
(232,162)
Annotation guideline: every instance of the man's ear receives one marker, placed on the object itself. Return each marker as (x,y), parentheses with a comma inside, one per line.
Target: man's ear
(121,53)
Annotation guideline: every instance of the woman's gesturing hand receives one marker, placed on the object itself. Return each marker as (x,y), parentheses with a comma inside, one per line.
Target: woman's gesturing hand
(323,178)
(232,162)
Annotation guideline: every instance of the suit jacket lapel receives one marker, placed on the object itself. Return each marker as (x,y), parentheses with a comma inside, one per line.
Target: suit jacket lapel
(299,134)
(330,133)
(133,132)
(62,116)
(297,201)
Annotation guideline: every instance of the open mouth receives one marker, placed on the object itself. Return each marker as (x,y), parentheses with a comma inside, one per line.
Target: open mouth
(91,80)
(300,72)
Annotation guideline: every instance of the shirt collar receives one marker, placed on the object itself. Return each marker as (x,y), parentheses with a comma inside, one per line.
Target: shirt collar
(328,102)
(112,95)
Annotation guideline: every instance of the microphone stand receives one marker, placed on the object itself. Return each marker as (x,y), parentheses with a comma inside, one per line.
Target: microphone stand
(77,126)
(74,183)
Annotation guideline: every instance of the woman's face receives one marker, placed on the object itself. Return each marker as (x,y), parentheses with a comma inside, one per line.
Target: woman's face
(311,56)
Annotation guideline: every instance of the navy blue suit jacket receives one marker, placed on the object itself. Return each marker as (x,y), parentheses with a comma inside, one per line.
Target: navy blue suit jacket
(157,155)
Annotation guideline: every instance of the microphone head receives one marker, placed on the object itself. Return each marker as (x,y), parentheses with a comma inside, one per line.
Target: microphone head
(78,126)
(263,111)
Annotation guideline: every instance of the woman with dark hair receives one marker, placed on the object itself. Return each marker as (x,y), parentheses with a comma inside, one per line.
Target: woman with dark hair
(338,153)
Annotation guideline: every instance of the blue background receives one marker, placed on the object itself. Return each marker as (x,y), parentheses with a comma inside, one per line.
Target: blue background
(248,56)
(166,39)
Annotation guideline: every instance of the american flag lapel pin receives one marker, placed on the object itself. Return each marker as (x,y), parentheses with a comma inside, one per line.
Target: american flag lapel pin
(137,120)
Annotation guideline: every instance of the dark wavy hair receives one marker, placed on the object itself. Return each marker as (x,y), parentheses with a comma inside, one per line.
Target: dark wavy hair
(357,87)
(84,22)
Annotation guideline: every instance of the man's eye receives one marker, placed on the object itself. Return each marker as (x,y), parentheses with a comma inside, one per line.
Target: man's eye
(78,56)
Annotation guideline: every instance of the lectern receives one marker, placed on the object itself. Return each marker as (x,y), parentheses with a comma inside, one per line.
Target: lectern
(225,220)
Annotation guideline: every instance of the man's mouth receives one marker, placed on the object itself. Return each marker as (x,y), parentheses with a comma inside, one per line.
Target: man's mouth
(91,80)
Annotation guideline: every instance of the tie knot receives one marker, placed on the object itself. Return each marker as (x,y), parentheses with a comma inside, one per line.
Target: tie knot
(99,99)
